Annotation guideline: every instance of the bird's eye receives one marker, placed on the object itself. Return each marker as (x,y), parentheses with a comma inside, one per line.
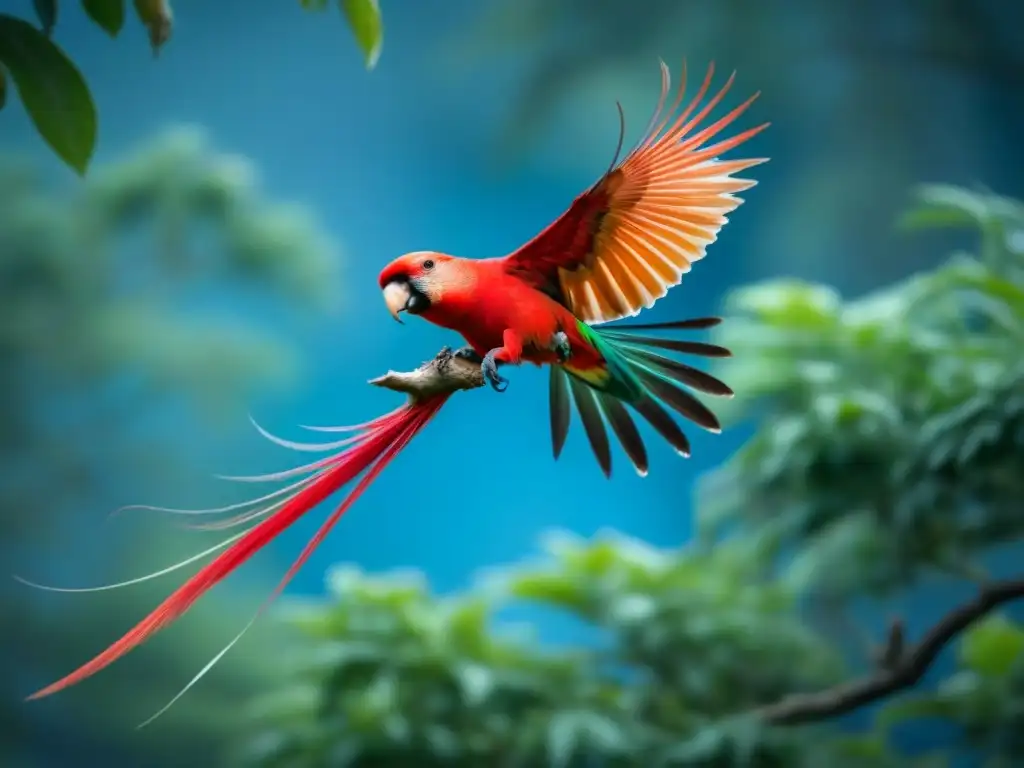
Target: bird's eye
(428,264)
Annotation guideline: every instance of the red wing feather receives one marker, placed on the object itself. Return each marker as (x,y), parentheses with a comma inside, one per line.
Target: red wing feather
(631,237)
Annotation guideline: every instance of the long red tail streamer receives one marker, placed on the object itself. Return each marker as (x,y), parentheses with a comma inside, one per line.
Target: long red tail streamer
(373,445)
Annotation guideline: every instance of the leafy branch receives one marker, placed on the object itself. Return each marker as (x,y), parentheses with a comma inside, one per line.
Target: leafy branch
(899,668)
(55,93)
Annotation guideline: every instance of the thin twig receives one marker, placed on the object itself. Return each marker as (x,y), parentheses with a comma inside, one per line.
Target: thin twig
(445,374)
(901,670)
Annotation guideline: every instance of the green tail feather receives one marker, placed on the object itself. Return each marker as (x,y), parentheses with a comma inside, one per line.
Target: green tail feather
(645,381)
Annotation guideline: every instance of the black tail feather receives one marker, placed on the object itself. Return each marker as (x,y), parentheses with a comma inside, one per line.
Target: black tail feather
(659,418)
(625,430)
(681,372)
(559,409)
(692,323)
(593,423)
(681,401)
(675,345)
(663,379)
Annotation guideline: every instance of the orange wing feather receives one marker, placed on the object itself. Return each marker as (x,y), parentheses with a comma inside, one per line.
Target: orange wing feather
(630,238)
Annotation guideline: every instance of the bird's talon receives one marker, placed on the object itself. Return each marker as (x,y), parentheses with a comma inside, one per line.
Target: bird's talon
(469,354)
(443,359)
(489,367)
(561,346)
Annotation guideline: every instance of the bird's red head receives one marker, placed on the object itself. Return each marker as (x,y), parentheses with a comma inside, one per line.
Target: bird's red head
(414,282)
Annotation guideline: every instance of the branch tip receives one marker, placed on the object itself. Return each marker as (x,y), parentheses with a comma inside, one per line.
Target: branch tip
(908,666)
(442,375)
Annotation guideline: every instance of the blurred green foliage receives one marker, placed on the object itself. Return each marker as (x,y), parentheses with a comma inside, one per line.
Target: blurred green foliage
(105,340)
(888,447)
(398,677)
(892,425)
(56,95)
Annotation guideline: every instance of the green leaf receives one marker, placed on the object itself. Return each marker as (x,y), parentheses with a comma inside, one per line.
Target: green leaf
(366,24)
(563,738)
(870,747)
(108,14)
(156,16)
(52,89)
(948,206)
(476,682)
(596,560)
(46,11)
(700,749)
(467,625)
(573,731)
(549,588)
(935,216)
(929,217)
(836,558)
(943,205)
(791,304)
(912,708)
(969,274)
(992,646)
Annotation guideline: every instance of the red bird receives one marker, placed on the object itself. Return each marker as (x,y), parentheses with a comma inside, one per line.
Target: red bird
(619,248)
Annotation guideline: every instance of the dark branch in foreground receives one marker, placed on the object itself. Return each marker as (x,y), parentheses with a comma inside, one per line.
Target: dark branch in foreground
(900,668)
(444,374)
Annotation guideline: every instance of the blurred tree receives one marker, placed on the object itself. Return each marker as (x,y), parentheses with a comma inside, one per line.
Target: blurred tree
(893,440)
(889,433)
(396,677)
(896,420)
(855,89)
(114,327)
(400,678)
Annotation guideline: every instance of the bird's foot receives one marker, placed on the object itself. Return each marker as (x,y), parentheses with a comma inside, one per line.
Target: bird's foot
(489,367)
(469,354)
(561,347)
(443,358)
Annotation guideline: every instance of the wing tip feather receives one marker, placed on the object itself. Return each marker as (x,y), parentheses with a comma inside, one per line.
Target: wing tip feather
(670,199)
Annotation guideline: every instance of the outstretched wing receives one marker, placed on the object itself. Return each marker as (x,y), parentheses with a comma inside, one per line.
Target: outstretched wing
(629,238)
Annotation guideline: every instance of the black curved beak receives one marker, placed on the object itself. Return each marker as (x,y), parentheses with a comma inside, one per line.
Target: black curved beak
(402,295)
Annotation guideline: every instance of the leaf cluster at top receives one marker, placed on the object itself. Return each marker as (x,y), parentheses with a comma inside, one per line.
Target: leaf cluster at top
(56,95)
